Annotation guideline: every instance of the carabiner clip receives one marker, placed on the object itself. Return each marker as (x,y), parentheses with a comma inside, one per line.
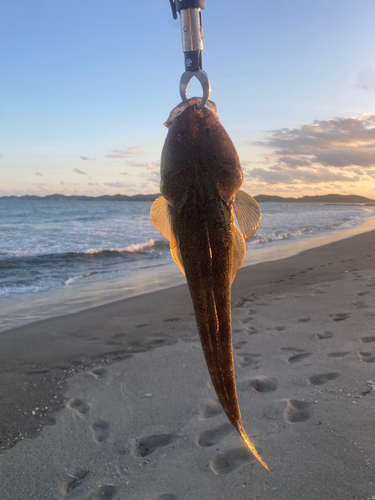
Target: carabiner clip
(204,81)
(192,45)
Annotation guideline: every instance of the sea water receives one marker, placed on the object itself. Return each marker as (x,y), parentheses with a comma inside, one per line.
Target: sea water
(48,245)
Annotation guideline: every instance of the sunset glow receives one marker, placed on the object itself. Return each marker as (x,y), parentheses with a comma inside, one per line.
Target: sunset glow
(81,110)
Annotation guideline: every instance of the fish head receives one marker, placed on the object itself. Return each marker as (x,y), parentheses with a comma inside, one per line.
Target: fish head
(198,152)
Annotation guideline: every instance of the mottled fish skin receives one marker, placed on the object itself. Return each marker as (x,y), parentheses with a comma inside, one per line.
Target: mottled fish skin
(200,175)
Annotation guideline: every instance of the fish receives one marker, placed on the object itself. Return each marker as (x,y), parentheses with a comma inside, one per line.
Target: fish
(201,176)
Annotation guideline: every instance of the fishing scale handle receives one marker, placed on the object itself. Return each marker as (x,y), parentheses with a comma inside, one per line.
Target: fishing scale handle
(192,32)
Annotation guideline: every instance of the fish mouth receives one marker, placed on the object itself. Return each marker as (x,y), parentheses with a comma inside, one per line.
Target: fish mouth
(184,105)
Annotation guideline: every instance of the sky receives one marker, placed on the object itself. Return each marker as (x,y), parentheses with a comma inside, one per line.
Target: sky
(86,85)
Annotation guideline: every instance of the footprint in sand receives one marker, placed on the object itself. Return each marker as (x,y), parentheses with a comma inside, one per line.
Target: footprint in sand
(102,493)
(366,357)
(244,321)
(360,294)
(339,316)
(259,384)
(98,372)
(79,407)
(100,430)
(239,344)
(214,436)
(155,342)
(212,409)
(149,444)
(323,378)
(237,331)
(324,335)
(294,349)
(248,359)
(298,357)
(304,320)
(251,330)
(360,304)
(244,301)
(142,325)
(167,496)
(231,460)
(171,320)
(368,340)
(74,480)
(297,411)
(277,328)
(338,355)
(264,384)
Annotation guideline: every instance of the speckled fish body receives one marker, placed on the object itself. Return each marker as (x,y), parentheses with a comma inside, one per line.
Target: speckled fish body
(200,180)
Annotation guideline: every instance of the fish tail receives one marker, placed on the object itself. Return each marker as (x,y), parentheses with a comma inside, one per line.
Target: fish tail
(251,447)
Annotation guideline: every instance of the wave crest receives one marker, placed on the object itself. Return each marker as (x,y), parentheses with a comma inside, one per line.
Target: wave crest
(133,248)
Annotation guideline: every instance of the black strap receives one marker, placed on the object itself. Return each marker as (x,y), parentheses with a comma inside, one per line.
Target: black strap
(177,5)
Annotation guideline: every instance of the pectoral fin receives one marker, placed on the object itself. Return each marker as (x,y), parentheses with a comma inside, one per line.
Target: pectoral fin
(176,254)
(239,251)
(248,214)
(161,219)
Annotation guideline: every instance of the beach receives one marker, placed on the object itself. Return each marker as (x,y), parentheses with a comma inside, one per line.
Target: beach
(115,402)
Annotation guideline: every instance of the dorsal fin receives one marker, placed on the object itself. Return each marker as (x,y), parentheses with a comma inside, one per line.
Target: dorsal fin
(161,219)
(248,214)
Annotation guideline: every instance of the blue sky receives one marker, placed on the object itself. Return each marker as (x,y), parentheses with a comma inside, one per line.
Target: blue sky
(86,86)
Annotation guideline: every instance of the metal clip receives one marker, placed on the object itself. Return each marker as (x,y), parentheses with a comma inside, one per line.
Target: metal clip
(204,81)
(192,45)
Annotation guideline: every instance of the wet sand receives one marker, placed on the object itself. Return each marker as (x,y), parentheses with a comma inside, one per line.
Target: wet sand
(115,402)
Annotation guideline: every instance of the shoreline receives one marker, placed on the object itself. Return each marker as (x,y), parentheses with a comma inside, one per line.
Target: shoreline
(22,310)
(92,388)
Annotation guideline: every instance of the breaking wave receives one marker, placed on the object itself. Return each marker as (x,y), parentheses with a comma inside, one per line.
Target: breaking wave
(150,248)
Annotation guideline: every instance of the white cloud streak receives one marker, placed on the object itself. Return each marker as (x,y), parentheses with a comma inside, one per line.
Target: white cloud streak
(78,171)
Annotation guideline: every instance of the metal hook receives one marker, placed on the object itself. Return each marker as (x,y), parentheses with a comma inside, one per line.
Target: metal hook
(204,81)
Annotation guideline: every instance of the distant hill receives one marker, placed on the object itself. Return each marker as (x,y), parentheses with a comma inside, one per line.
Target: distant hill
(105,197)
(262,198)
(328,198)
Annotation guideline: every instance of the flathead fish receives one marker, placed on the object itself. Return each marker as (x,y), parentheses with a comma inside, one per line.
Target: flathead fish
(200,180)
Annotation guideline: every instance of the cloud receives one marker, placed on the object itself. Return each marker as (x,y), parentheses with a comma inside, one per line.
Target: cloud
(86,159)
(147,165)
(62,183)
(125,153)
(93,184)
(294,162)
(366,80)
(116,184)
(339,142)
(123,173)
(38,174)
(78,171)
(301,175)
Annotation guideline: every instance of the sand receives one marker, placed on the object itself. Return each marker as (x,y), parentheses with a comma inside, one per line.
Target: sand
(115,402)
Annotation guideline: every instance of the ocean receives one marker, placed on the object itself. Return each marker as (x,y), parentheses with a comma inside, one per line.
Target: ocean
(46,246)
